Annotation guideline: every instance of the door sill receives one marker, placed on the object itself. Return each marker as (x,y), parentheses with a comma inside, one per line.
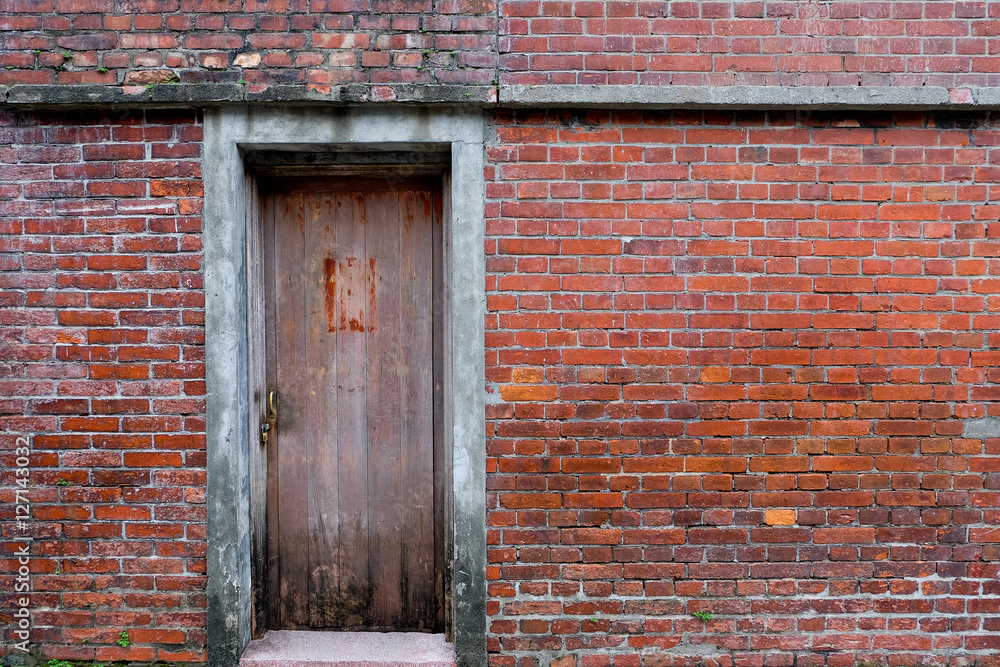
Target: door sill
(312,648)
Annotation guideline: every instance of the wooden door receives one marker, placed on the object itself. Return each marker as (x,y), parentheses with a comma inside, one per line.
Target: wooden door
(355,520)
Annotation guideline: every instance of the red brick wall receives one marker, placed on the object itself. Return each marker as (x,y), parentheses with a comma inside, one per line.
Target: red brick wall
(732,364)
(102,366)
(731,360)
(322,43)
(950,44)
(307,42)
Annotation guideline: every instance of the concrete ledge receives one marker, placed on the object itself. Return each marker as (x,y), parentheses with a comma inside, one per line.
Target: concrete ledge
(297,648)
(95,94)
(209,94)
(582,96)
(750,97)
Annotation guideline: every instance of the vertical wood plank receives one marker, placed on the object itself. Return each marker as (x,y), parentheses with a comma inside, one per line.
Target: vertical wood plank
(384,367)
(271,374)
(320,413)
(416,409)
(293,463)
(352,410)
(440,480)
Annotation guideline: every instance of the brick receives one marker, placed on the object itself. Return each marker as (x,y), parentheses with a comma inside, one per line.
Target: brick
(844,535)
(780,517)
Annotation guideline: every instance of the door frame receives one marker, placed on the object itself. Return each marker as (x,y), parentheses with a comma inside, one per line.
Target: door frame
(230,221)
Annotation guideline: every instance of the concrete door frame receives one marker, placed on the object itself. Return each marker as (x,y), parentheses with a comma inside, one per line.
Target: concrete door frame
(228,429)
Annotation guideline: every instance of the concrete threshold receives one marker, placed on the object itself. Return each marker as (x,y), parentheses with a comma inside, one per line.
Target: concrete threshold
(305,648)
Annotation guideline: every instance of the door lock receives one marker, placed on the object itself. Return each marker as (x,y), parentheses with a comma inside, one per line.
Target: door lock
(272,418)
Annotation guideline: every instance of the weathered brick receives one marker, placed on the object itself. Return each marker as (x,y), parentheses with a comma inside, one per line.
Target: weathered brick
(796,416)
(93,389)
(162,41)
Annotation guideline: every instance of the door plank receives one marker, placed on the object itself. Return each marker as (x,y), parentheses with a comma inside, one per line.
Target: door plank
(352,409)
(257,385)
(293,464)
(416,409)
(321,412)
(270,317)
(384,366)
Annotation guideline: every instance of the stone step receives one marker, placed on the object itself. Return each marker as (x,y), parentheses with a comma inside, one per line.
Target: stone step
(307,648)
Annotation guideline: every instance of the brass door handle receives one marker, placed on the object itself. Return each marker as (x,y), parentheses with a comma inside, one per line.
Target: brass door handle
(272,418)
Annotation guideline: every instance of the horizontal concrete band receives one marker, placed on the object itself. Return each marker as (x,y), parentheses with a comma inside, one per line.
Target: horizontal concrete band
(188,94)
(751,97)
(585,96)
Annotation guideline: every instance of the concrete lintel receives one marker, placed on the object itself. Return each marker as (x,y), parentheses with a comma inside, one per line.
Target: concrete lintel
(751,97)
(227,130)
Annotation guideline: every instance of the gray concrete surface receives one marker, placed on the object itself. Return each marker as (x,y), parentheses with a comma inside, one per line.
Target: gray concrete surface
(982,428)
(170,94)
(589,96)
(749,97)
(227,426)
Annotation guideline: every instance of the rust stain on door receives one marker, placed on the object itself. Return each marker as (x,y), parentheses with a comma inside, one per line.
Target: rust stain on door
(371,294)
(347,283)
(330,281)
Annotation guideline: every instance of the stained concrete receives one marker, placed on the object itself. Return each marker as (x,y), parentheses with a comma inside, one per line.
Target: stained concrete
(749,97)
(982,428)
(297,648)
(227,131)
(173,94)
(227,425)
(587,96)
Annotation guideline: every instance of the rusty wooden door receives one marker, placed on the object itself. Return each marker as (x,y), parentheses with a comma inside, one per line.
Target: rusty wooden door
(355,520)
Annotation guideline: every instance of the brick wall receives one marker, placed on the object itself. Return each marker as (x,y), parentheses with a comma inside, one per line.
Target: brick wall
(324,43)
(732,364)
(102,367)
(318,43)
(737,364)
(950,44)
